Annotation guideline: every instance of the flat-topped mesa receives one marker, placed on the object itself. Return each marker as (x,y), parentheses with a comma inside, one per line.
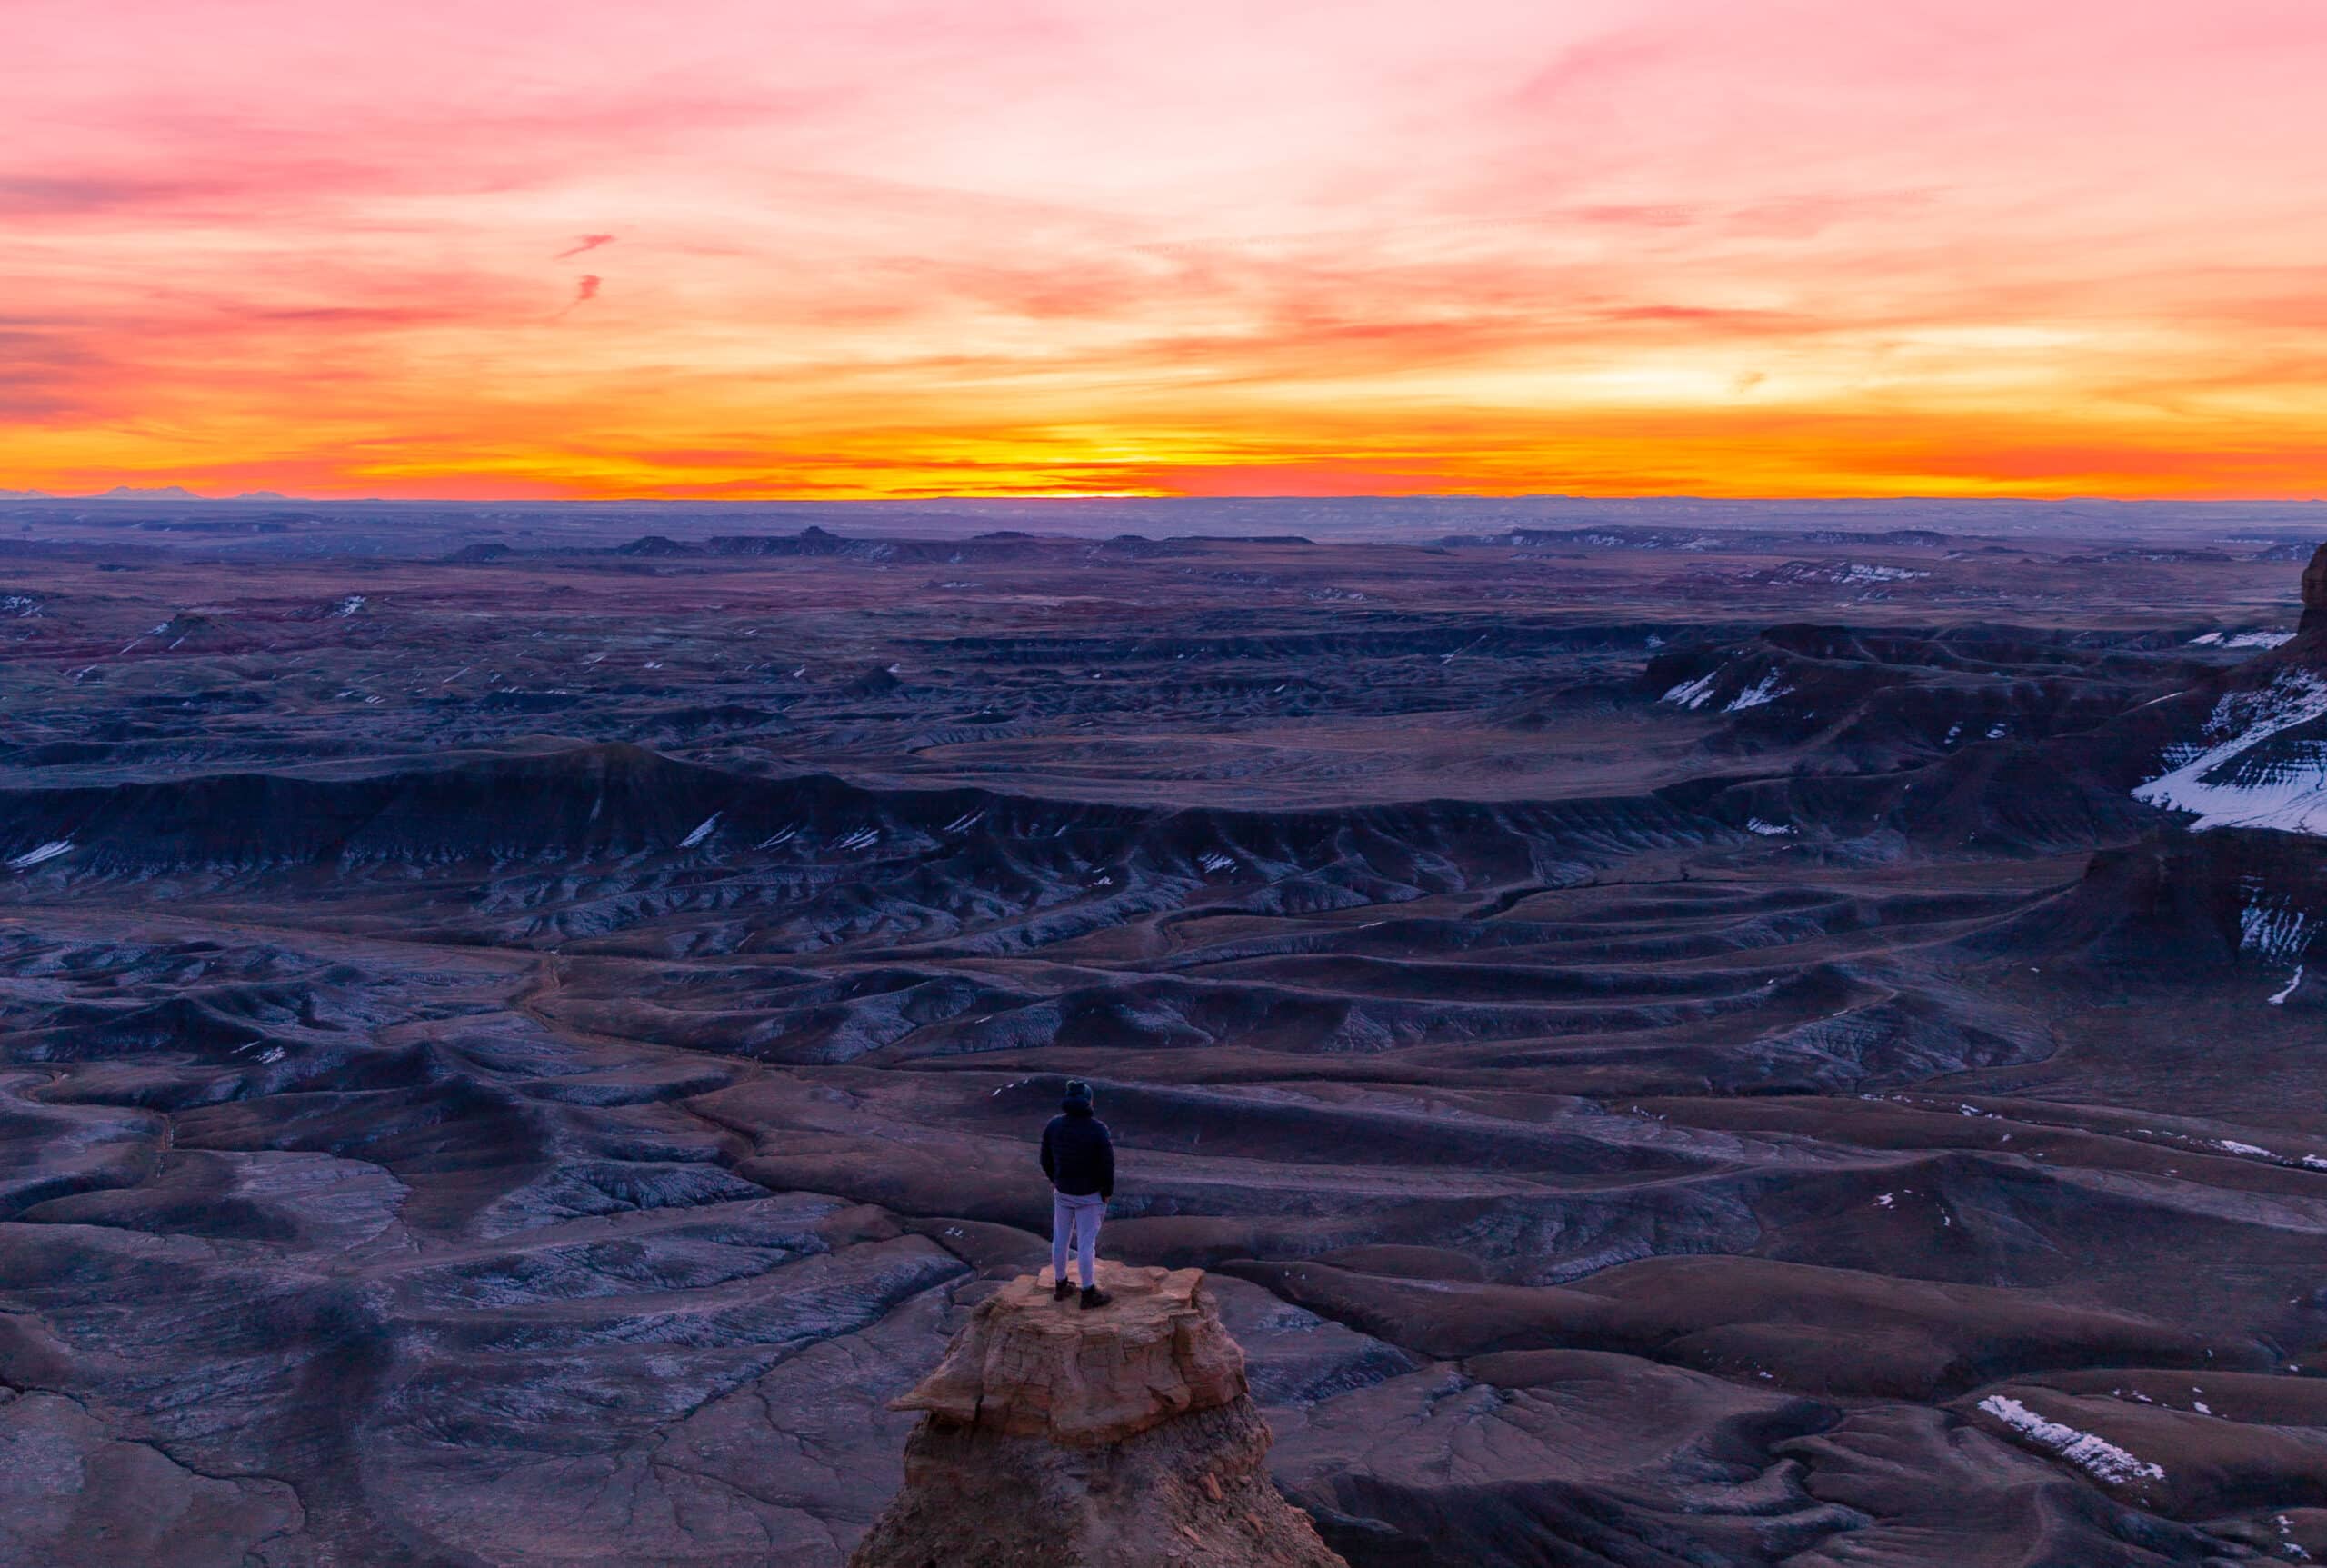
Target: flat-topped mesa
(2315,592)
(1121,1437)
(1030,1367)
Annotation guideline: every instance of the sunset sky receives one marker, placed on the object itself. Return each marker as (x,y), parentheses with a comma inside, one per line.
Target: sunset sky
(985,246)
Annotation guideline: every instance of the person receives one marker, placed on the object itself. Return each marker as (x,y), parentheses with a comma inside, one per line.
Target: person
(1079,1157)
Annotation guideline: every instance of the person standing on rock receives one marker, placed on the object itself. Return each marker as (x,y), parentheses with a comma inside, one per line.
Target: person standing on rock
(1079,1157)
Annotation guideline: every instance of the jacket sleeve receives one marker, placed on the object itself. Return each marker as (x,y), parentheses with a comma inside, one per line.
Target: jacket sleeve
(1050,1161)
(1106,1164)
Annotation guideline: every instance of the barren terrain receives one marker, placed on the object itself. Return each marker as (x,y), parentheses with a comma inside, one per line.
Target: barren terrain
(1686,1033)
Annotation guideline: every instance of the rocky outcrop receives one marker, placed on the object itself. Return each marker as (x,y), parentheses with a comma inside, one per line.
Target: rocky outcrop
(1029,1366)
(1052,1437)
(2315,592)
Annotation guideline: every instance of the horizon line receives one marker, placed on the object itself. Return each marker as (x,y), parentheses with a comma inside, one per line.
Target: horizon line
(162,494)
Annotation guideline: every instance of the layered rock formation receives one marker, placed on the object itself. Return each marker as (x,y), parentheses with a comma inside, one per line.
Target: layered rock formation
(2315,592)
(1053,1437)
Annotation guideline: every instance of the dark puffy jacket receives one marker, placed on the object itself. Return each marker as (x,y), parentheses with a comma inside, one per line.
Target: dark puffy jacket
(1078,1155)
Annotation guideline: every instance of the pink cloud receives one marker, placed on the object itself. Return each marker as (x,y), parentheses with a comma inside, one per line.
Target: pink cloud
(1162,225)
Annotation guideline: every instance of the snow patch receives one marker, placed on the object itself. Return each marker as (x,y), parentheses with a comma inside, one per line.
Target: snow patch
(2097,1456)
(1766,690)
(2289,795)
(1692,694)
(41,855)
(2274,931)
(709,825)
(1768,829)
(2279,999)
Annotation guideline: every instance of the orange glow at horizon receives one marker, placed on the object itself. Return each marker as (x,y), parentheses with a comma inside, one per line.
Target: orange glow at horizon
(898,248)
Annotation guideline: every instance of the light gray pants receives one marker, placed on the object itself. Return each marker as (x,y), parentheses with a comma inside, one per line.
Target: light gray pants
(1074,1221)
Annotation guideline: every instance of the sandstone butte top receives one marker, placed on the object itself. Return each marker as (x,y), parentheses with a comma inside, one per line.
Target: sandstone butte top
(1029,1366)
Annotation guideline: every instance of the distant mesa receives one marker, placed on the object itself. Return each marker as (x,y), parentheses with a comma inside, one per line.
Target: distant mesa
(656,545)
(2284,549)
(1053,1437)
(809,540)
(1137,547)
(156,493)
(1625,536)
(2154,555)
(1239,539)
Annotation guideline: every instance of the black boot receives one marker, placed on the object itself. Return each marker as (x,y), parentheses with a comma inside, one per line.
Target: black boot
(1092,1296)
(1061,1291)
